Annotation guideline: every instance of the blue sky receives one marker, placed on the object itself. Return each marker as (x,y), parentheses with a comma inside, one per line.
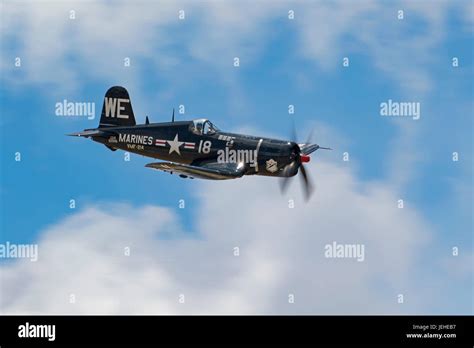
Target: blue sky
(190,63)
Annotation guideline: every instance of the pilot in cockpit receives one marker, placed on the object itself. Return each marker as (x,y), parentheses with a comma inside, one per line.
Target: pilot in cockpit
(203,127)
(198,128)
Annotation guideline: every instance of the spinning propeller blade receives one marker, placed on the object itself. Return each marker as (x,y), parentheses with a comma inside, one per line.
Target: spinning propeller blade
(299,156)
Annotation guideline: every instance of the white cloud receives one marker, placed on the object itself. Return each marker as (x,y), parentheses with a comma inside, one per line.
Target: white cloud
(402,49)
(61,52)
(281,252)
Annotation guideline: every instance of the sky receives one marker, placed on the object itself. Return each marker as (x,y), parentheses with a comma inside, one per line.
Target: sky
(121,205)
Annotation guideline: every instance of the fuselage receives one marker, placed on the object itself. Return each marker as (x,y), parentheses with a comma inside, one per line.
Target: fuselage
(180,142)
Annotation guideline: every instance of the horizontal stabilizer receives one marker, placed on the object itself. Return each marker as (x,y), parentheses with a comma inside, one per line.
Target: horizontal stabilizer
(88,133)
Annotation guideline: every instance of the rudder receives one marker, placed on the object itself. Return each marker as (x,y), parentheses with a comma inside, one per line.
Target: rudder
(117,108)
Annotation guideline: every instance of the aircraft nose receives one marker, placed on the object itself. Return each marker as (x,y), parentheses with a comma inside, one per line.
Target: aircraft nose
(305,158)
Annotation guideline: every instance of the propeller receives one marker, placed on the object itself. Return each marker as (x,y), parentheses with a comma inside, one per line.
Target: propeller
(299,155)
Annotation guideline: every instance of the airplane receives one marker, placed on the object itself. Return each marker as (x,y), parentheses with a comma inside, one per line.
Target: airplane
(197,148)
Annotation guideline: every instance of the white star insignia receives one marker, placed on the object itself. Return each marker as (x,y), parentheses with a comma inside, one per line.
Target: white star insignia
(175,144)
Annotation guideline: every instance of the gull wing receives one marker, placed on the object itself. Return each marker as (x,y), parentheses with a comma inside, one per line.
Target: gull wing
(210,171)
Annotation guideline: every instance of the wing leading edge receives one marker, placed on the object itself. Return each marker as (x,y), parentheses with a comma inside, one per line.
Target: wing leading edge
(307,149)
(216,171)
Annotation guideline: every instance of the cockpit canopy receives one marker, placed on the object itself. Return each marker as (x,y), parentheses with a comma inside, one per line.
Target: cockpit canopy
(203,126)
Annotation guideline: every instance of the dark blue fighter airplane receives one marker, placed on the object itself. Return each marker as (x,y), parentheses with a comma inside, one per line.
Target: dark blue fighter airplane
(197,148)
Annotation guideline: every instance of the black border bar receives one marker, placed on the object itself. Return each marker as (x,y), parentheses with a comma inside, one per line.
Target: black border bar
(136,330)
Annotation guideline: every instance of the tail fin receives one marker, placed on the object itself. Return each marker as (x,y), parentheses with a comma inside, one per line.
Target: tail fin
(117,108)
